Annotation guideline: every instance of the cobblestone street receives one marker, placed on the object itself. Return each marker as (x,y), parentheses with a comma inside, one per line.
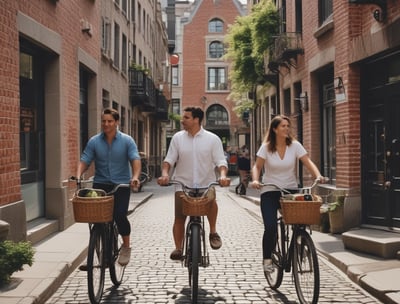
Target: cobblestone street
(234,276)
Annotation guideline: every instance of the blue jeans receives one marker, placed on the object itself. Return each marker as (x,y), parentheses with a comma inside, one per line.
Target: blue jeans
(121,204)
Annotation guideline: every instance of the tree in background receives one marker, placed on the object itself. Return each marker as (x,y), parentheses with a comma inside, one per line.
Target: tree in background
(248,39)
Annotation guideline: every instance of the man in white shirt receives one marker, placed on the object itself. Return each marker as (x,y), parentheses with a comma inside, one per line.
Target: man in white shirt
(195,153)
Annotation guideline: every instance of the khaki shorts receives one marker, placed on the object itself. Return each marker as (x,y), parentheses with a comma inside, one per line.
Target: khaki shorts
(178,202)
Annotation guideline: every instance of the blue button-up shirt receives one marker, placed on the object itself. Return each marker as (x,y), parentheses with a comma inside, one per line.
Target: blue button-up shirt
(112,162)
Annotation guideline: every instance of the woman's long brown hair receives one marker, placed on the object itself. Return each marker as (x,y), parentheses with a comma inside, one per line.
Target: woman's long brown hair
(270,137)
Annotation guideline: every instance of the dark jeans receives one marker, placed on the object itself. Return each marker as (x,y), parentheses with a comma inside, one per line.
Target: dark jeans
(269,210)
(121,204)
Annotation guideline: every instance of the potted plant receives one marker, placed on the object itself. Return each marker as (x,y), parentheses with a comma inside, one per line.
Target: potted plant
(336,215)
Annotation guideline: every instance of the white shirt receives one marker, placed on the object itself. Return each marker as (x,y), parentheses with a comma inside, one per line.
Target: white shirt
(195,157)
(282,172)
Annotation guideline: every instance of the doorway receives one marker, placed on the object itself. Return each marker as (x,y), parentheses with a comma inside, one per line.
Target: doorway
(32,130)
(381,143)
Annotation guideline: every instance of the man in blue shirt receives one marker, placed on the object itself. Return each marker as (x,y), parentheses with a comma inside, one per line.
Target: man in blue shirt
(117,161)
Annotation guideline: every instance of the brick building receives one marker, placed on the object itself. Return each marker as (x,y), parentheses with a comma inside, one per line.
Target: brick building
(201,77)
(62,62)
(336,71)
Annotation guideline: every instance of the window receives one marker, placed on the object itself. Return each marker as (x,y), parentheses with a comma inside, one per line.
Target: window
(106,99)
(325,10)
(217,116)
(299,16)
(215,26)
(116,45)
(216,49)
(175,75)
(329,132)
(124,59)
(286,102)
(123,118)
(105,36)
(133,10)
(217,79)
(124,7)
(139,23)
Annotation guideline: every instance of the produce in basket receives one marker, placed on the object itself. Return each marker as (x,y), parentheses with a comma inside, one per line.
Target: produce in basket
(91,193)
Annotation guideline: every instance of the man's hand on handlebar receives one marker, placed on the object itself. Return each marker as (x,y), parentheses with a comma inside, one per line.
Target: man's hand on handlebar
(135,185)
(163,180)
(224,181)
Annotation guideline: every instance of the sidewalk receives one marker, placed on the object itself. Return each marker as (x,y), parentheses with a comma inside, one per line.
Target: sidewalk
(60,254)
(55,259)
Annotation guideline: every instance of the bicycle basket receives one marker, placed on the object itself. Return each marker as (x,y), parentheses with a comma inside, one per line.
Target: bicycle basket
(97,209)
(197,206)
(301,212)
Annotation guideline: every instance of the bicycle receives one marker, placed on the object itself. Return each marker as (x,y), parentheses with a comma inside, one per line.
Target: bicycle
(297,251)
(240,189)
(195,204)
(104,240)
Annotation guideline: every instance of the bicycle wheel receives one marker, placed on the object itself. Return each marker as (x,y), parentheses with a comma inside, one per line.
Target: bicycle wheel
(95,263)
(195,253)
(305,268)
(116,270)
(275,277)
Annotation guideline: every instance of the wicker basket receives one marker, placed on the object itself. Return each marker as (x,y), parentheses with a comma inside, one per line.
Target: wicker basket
(195,206)
(93,209)
(301,212)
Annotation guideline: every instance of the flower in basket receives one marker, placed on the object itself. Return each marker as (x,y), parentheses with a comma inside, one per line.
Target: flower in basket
(91,193)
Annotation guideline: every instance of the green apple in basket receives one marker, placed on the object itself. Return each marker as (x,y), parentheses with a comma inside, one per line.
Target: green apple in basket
(92,193)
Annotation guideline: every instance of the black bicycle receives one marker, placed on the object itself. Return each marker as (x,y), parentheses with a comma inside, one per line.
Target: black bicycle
(294,248)
(195,204)
(104,241)
(241,188)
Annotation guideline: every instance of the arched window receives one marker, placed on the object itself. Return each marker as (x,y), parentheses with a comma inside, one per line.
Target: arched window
(217,116)
(215,26)
(216,49)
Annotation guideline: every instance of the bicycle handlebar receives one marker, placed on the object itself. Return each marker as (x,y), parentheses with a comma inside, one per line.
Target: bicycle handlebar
(300,190)
(116,187)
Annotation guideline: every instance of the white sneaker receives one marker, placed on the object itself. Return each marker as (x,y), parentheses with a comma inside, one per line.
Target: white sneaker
(124,256)
(267,265)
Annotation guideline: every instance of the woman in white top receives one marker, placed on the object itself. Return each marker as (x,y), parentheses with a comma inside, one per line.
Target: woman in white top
(278,155)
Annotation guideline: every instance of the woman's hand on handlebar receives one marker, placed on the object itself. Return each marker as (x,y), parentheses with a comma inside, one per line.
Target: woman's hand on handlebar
(163,180)
(255,184)
(224,181)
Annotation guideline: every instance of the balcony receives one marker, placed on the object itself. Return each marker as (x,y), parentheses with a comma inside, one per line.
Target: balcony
(162,107)
(142,92)
(285,50)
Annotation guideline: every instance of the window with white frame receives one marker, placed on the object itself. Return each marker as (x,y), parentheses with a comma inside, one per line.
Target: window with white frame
(105,36)
(216,49)
(217,79)
(175,75)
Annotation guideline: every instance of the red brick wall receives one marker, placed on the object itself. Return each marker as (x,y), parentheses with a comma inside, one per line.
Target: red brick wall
(194,55)
(62,17)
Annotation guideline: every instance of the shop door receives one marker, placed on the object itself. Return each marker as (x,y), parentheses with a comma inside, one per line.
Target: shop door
(381,154)
(32,131)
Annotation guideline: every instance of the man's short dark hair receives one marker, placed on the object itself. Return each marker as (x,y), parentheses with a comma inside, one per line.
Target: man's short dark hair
(196,112)
(112,112)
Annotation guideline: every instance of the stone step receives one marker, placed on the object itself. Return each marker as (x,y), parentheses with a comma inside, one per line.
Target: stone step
(40,229)
(385,244)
